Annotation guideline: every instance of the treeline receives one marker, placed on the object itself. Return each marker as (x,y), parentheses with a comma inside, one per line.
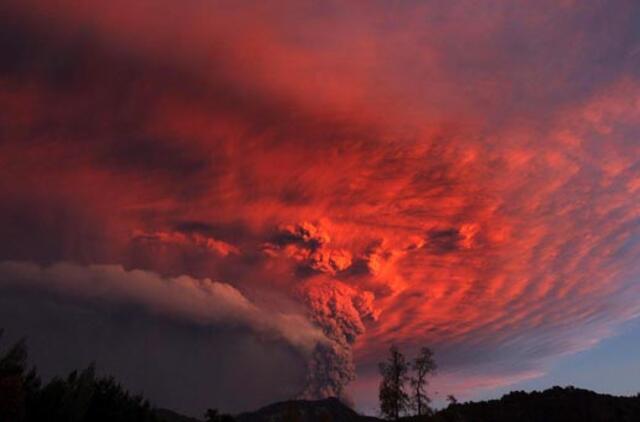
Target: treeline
(403,396)
(81,396)
(557,404)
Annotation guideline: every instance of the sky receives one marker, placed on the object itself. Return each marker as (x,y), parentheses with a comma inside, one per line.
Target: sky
(229,203)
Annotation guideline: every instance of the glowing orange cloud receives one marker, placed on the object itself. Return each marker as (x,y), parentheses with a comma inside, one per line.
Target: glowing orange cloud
(481,204)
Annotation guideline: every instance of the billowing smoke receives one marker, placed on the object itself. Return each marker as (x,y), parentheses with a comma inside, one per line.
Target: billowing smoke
(337,311)
(200,301)
(309,245)
(341,311)
(338,308)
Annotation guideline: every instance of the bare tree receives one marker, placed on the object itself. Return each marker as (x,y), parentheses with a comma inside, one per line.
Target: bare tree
(423,366)
(394,400)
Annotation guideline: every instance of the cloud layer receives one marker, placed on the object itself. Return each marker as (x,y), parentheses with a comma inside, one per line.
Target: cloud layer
(456,174)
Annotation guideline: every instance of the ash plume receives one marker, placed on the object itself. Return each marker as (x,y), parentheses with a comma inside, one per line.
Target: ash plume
(341,311)
(200,301)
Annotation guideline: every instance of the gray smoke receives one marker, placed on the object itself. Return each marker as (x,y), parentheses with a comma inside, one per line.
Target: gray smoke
(337,308)
(337,311)
(341,311)
(200,301)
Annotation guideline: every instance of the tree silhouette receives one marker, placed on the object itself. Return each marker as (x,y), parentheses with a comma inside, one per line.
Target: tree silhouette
(423,365)
(12,395)
(394,400)
(80,397)
(212,415)
(452,400)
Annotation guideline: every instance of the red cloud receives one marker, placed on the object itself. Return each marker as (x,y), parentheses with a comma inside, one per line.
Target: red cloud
(191,239)
(469,197)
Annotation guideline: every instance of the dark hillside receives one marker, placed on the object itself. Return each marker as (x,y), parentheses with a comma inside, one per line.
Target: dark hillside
(326,410)
(553,405)
(166,415)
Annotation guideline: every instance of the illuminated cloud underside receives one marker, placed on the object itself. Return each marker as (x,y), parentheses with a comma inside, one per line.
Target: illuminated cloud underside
(439,177)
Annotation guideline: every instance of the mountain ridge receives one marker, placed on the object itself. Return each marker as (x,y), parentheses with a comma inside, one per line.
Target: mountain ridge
(556,404)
